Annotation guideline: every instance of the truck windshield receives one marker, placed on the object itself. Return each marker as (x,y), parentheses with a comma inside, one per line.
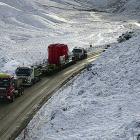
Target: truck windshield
(4,82)
(23,72)
(77,50)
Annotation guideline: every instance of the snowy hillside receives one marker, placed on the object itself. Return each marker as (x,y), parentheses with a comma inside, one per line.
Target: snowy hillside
(27,27)
(101,103)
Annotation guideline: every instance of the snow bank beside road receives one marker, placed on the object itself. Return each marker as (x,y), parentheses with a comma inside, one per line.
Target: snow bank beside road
(101,103)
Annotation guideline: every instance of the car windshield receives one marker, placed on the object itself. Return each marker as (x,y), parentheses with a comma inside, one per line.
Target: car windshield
(4,82)
(23,72)
(77,50)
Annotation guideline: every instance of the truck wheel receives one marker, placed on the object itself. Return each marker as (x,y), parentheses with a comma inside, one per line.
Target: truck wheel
(39,78)
(12,99)
(19,92)
(22,91)
(33,82)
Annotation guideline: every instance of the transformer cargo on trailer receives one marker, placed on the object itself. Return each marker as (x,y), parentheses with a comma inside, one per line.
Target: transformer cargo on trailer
(57,53)
(58,58)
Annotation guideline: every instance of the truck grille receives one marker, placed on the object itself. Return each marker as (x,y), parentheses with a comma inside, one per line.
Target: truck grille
(2,92)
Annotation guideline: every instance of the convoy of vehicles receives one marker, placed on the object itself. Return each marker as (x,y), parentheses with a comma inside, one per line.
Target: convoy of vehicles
(58,59)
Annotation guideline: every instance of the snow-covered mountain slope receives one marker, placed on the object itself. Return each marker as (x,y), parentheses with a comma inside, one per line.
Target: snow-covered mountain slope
(127,6)
(27,27)
(101,103)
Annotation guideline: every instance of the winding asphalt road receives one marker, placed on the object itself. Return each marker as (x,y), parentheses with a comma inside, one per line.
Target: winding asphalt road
(15,116)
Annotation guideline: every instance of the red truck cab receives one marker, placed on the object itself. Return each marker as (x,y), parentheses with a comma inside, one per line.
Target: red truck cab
(7,87)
